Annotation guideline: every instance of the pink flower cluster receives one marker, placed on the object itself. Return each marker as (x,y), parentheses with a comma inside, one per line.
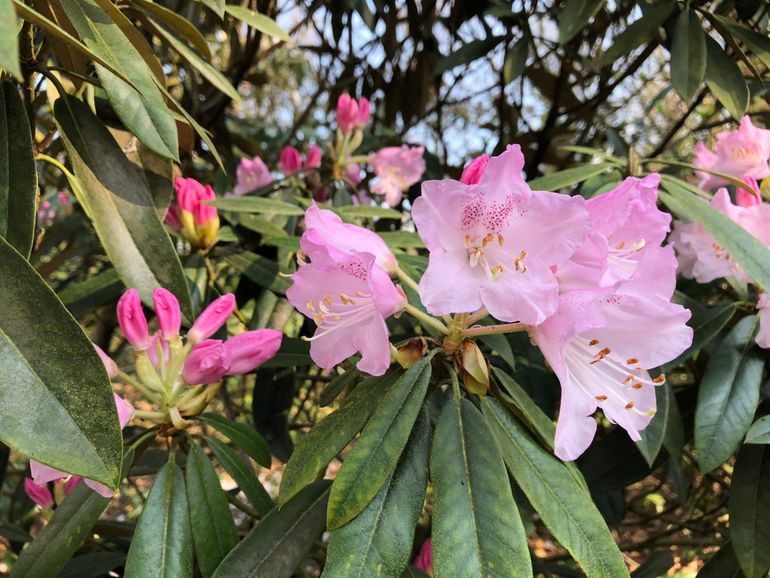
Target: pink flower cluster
(346,289)
(253,174)
(397,169)
(352,114)
(192,217)
(291,161)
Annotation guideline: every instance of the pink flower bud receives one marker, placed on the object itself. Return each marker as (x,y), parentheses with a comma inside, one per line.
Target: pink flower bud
(202,212)
(172,219)
(207,363)
(168,313)
(251,349)
(364,112)
(212,318)
(290,160)
(347,112)
(189,193)
(109,364)
(152,350)
(313,157)
(472,173)
(38,493)
(132,321)
(424,560)
(743,198)
(353,173)
(70,484)
(125,411)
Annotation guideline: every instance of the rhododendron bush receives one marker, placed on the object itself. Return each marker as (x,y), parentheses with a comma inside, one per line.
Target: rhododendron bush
(365,289)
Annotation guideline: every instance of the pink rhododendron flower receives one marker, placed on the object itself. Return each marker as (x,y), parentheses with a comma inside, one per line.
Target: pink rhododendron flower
(424,560)
(42,474)
(740,153)
(364,112)
(349,297)
(472,173)
(347,112)
(763,336)
(494,244)
(250,349)
(601,344)
(212,318)
(353,173)
(744,198)
(398,168)
(346,237)
(167,312)
(290,160)
(251,174)
(133,323)
(38,493)
(208,362)
(313,157)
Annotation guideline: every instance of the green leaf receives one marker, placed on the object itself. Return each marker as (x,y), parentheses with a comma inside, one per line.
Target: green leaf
(93,565)
(264,272)
(293,352)
(637,33)
(337,385)
(243,474)
(749,508)
(467,53)
(257,21)
(162,543)
(725,80)
(121,206)
(142,109)
(256,205)
(53,387)
(666,424)
(565,507)
(277,545)
(379,447)
(378,542)
(728,395)
(290,243)
(538,422)
(352,211)
(723,564)
(402,239)
(747,251)
(757,43)
(575,15)
(242,435)
(84,296)
(688,55)
(18,177)
(477,529)
(9,39)
(759,432)
(260,225)
(217,6)
(516,59)
(706,325)
(331,435)
(213,528)
(179,24)
(568,177)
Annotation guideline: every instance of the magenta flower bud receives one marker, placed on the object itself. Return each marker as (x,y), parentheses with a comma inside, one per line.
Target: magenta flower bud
(290,160)
(172,219)
(168,313)
(189,193)
(109,364)
(38,493)
(208,362)
(251,349)
(313,157)
(202,212)
(364,112)
(132,321)
(152,350)
(472,173)
(70,484)
(347,112)
(212,318)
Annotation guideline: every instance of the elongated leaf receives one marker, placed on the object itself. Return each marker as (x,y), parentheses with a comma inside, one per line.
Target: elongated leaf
(242,435)
(477,530)
(353,211)
(178,24)
(757,43)
(336,386)
(759,432)
(262,271)
(728,395)
(122,208)
(218,6)
(213,528)
(378,541)
(725,80)
(723,564)
(665,425)
(256,205)
(143,111)
(638,32)
(750,510)
(244,476)
(276,546)
(258,21)
(467,53)
(9,41)
(18,177)
(402,240)
(377,451)
(688,55)
(260,225)
(706,325)
(568,177)
(516,59)
(52,387)
(564,506)
(747,251)
(575,15)
(92,565)
(162,543)
(329,437)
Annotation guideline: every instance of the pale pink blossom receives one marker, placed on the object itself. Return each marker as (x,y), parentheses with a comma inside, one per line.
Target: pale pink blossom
(364,112)
(347,112)
(353,173)
(250,349)
(251,174)
(208,362)
(424,560)
(472,173)
(133,323)
(763,336)
(740,153)
(495,244)
(349,297)
(398,168)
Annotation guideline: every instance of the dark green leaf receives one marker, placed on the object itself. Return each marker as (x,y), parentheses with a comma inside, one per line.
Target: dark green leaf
(262,271)
(665,425)
(162,543)
(52,387)
(379,447)
(353,211)
(759,432)
(467,53)
(728,395)
(179,24)
(84,296)
(565,506)
(290,243)
(750,510)
(122,208)
(292,352)
(212,524)
(477,529)
(725,80)
(243,474)
(723,564)
(706,324)
(337,386)
(516,60)
(18,177)
(217,6)
(658,564)
(688,55)
(242,435)
(568,177)
(378,542)
(260,225)
(637,33)
(92,565)
(257,205)
(757,43)
(575,15)
(402,240)
(277,545)
(9,40)
(258,21)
